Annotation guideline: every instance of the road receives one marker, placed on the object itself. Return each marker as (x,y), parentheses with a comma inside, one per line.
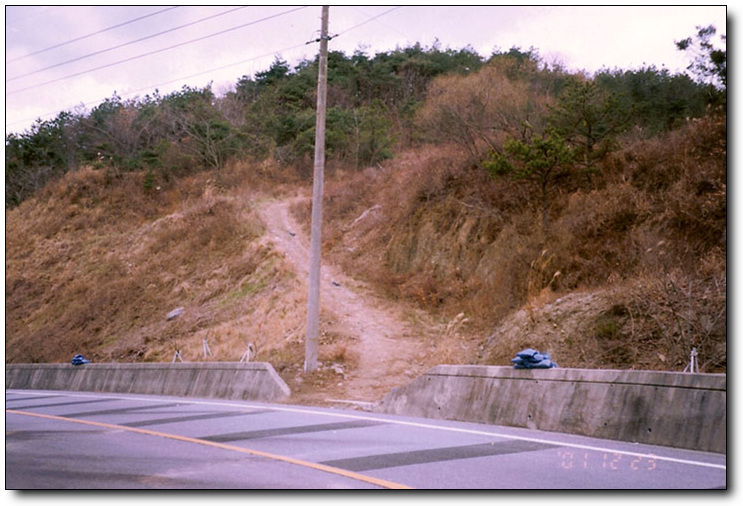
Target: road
(78,440)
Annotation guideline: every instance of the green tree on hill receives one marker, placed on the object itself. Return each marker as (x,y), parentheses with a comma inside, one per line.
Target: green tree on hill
(589,118)
(543,161)
(709,63)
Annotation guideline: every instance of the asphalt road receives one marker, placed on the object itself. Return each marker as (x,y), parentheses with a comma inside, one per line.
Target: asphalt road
(76,440)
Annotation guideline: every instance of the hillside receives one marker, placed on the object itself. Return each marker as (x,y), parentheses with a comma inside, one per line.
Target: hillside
(473,207)
(630,274)
(95,266)
(419,271)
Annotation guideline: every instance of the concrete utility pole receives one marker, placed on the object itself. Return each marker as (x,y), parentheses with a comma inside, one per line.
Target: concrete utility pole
(313,296)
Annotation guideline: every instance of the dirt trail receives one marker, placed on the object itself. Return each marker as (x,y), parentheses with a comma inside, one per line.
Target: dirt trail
(389,354)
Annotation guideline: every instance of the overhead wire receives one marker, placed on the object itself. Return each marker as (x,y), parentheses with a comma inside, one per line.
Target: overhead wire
(222,67)
(198,74)
(152,36)
(55,46)
(155,86)
(150,53)
(406,35)
(367,21)
(261,56)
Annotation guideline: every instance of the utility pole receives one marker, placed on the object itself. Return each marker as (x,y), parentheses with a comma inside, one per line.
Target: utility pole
(313,296)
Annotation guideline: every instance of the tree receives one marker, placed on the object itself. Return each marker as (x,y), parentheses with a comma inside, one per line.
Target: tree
(508,97)
(473,111)
(45,151)
(371,134)
(589,118)
(709,62)
(199,127)
(278,71)
(653,99)
(543,161)
(119,131)
(361,136)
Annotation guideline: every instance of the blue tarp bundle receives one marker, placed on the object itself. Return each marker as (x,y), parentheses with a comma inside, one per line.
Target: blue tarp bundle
(532,359)
(79,360)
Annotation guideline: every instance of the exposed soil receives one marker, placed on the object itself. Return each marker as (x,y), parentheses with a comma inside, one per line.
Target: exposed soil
(384,351)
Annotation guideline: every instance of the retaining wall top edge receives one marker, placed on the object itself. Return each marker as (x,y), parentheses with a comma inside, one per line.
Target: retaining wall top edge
(148,365)
(625,376)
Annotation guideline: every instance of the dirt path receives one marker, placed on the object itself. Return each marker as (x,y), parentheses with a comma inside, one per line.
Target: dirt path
(389,354)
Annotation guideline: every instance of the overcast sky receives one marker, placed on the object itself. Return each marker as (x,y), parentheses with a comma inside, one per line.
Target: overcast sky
(63,57)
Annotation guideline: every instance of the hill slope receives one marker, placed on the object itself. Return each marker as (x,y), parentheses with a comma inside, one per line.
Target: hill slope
(427,260)
(95,266)
(630,272)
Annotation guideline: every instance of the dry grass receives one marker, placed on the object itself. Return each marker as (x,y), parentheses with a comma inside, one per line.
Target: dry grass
(434,231)
(649,323)
(631,273)
(94,264)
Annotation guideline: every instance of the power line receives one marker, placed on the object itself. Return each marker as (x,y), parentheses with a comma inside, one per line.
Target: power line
(407,36)
(367,21)
(125,44)
(155,86)
(89,35)
(330,37)
(199,39)
(198,74)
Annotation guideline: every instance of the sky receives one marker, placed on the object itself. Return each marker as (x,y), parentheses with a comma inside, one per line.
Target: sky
(73,57)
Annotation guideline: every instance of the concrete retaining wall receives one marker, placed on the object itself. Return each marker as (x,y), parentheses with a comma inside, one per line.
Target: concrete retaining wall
(669,409)
(225,380)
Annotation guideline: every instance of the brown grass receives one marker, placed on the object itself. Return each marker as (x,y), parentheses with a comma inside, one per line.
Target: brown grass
(631,272)
(435,231)
(94,265)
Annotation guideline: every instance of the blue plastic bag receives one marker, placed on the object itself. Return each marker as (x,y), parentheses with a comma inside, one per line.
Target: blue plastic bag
(532,359)
(79,360)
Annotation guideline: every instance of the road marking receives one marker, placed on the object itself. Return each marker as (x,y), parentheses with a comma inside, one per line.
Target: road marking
(288,409)
(311,465)
(283,431)
(431,455)
(476,432)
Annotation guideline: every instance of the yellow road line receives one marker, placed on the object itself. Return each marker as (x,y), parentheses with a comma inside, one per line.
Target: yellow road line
(282,458)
